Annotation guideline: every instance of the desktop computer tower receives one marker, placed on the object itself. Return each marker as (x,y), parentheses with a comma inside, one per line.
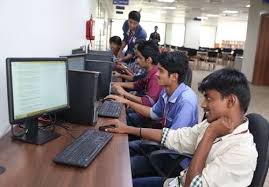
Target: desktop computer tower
(105,69)
(76,62)
(82,98)
(91,56)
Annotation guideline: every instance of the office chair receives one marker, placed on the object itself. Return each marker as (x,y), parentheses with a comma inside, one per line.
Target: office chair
(212,59)
(259,128)
(155,152)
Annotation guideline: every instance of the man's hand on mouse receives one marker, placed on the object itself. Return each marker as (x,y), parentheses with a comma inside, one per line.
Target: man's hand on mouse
(117,98)
(120,128)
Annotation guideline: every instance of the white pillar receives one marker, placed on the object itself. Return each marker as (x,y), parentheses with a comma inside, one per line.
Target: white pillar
(254,19)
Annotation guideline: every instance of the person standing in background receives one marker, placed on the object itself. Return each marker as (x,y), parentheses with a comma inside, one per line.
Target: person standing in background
(132,31)
(155,36)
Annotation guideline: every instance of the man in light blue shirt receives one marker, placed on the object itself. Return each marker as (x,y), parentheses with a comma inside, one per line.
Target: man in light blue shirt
(177,111)
(176,107)
(177,104)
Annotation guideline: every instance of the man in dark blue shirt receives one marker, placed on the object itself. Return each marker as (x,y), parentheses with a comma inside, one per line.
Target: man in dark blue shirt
(132,31)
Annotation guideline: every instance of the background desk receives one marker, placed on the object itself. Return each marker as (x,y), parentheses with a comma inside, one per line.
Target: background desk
(32,166)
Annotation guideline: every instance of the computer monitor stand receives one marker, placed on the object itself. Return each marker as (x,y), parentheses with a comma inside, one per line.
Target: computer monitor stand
(34,135)
(2,169)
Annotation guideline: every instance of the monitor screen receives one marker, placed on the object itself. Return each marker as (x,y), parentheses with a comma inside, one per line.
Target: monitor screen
(36,86)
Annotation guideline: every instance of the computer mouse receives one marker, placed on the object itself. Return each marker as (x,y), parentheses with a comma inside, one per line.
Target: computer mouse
(2,169)
(103,128)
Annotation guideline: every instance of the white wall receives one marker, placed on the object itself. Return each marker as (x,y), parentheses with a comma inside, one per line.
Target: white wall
(175,34)
(192,34)
(257,7)
(36,28)
(208,36)
(235,31)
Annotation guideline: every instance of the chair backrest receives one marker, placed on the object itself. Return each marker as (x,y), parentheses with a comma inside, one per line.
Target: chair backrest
(188,77)
(212,54)
(259,128)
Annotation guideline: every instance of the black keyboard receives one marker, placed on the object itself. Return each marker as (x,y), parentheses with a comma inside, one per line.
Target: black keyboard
(110,109)
(83,150)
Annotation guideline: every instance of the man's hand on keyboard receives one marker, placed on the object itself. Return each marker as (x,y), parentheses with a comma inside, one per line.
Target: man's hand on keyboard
(120,128)
(117,98)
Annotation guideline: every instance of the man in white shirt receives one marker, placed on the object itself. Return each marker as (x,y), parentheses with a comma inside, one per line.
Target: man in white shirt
(224,153)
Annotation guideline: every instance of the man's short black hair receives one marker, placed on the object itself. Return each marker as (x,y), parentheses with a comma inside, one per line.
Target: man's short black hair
(134,15)
(116,40)
(228,81)
(175,62)
(149,49)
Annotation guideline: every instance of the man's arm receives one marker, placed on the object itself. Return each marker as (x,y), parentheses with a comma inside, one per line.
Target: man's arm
(127,77)
(200,156)
(126,58)
(141,109)
(217,128)
(132,97)
(123,45)
(127,85)
(145,133)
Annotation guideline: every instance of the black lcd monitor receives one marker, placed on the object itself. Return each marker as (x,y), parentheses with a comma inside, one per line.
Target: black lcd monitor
(83,87)
(35,86)
(105,69)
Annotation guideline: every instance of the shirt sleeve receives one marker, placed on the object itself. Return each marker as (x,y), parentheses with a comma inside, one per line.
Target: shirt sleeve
(197,181)
(142,34)
(150,37)
(152,93)
(156,112)
(185,117)
(139,85)
(237,165)
(125,30)
(184,139)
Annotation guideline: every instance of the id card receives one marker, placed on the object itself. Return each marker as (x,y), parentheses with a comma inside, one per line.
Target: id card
(174,183)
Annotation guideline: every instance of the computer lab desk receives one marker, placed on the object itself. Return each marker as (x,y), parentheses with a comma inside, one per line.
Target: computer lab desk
(30,165)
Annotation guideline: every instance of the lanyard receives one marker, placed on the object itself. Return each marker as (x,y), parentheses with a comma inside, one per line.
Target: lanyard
(130,37)
(165,113)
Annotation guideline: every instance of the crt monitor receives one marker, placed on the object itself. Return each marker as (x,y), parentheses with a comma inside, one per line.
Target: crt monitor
(105,69)
(35,86)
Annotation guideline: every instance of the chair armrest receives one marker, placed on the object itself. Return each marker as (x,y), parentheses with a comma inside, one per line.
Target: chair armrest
(147,147)
(167,163)
(169,152)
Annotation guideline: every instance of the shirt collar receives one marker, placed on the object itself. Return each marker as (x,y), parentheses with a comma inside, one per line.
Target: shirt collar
(176,93)
(240,129)
(153,71)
